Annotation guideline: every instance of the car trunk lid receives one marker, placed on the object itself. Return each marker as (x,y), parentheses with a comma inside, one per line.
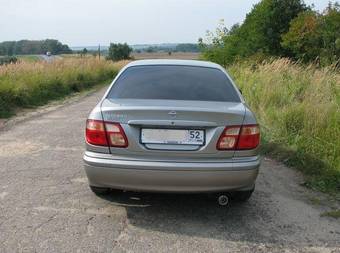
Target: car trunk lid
(137,114)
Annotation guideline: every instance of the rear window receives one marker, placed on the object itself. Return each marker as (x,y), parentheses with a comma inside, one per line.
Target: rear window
(174,83)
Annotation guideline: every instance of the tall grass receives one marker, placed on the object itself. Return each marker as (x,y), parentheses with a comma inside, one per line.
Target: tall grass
(298,108)
(30,84)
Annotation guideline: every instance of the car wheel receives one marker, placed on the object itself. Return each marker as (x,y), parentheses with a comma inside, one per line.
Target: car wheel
(99,190)
(243,195)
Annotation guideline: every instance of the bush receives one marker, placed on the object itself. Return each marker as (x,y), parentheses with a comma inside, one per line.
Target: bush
(119,52)
(8,60)
(314,37)
(298,109)
(32,84)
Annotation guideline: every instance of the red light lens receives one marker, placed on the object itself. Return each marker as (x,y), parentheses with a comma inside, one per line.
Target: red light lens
(114,135)
(239,138)
(95,132)
(249,137)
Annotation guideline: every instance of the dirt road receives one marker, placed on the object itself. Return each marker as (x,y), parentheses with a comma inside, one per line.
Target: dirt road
(46,205)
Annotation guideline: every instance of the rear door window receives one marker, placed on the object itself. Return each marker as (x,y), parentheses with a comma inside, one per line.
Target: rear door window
(174,82)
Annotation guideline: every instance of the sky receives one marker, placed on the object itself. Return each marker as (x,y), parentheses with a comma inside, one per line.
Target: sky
(93,22)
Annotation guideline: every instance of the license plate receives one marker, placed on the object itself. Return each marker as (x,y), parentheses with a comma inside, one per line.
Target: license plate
(172,136)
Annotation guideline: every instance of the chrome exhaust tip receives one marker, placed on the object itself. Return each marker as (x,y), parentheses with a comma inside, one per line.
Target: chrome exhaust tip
(223,200)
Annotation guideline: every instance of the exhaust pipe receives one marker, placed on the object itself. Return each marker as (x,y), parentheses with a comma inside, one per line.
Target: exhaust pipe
(223,200)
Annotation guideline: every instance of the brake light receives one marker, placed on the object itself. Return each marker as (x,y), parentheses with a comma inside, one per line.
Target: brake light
(249,137)
(239,138)
(95,132)
(101,133)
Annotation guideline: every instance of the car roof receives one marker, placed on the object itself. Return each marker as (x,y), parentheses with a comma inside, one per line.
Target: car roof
(174,62)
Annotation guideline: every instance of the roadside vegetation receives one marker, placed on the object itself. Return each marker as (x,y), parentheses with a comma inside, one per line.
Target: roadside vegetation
(24,84)
(298,110)
(334,214)
(285,57)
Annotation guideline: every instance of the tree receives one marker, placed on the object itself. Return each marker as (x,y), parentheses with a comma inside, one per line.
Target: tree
(150,49)
(119,52)
(33,47)
(315,36)
(186,47)
(262,29)
(83,53)
(278,22)
(213,46)
(330,32)
(303,38)
(260,33)
(8,48)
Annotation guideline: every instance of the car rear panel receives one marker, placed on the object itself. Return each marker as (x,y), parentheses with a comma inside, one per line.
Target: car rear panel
(172,167)
(134,115)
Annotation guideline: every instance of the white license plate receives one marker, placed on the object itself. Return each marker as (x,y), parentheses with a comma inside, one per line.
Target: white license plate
(172,136)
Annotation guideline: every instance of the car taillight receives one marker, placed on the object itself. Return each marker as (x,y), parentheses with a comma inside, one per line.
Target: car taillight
(239,138)
(249,137)
(229,137)
(105,134)
(95,132)
(116,135)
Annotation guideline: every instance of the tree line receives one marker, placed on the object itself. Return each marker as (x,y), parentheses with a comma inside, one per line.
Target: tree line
(181,47)
(278,28)
(23,47)
(121,51)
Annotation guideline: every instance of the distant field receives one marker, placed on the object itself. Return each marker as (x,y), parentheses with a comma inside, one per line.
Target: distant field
(141,56)
(73,55)
(164,55)
(29,58)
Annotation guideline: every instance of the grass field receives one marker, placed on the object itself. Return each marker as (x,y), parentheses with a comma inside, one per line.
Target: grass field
(145,55)
(298,108)
(29,84)
(164,55)
(29,58)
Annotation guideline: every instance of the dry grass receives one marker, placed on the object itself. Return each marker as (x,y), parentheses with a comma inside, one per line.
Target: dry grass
(28,84)
(29,58)
(299,111)
(334,214)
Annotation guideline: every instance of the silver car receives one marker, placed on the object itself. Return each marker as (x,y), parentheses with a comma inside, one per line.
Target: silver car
(172,126)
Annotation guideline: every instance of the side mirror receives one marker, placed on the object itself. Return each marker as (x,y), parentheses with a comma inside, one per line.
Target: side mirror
(240,91)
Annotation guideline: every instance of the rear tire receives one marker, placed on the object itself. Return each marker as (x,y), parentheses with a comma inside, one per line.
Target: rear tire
(243,196)
(99,190)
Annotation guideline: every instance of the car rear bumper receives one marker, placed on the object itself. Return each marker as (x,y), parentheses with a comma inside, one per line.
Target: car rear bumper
(163,176)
